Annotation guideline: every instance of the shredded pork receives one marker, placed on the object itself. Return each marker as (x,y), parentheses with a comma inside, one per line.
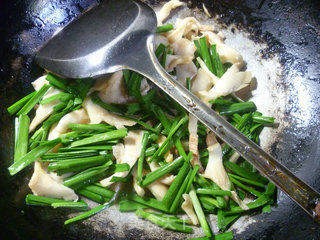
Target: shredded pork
(43,184)
(128,152)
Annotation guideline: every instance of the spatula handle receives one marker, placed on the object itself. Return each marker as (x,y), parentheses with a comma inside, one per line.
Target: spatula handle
(294,187)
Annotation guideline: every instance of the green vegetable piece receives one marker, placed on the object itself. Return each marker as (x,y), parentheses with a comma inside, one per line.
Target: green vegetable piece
(31,156)
(224,236)
(59,96)
(163,222)
(175,185)
(200,214)
(144,143)
(21,139)
(243,172)
(213,192)
(54,202)
(251,182)
(99,138)
(81,206)
(191,179)
(91,127)
(100,190)
(244,187)
(225,221)
(79,163)
(239,108)
(178,199)
(92,195)
(86,177)
(19,104)
(33,100)
(150,202)
(164,28)
(160,172)
(90,212)
(129,206)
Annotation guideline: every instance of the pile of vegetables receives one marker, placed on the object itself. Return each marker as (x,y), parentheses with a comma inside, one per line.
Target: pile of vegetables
(84,156)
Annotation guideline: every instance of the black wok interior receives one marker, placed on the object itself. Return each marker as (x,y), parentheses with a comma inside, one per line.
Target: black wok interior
(290,28)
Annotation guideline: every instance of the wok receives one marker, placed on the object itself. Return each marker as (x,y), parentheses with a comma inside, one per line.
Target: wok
(280,41)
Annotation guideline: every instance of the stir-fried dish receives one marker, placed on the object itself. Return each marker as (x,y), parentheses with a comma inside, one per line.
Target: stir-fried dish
(120,140)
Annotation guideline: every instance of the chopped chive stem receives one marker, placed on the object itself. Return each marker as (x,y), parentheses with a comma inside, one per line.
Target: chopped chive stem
(205,53)
(73,154)
(85,148)
(224,236)
(34,100)
(84,162)
(213,192)
(175,139)
(225,221)
(171,133)
(200,214)
(160,172)
(19,104)
(59,96)
(164,58)
(208,207)
(86,177)
(144,143)
(39,200)
(119,179)
(90,212)
(243,172)
(143,124)
(259,202)
(128,206)
(121,167)
(90,127)
(266,209)
(102,137)
(178,199)
(191,179)
(218,68)
(31,156)
(239,108)
(54,202)
(160,49)
(162,118)
(106,193)
(171,217)
(162,222)
(81,206)
(150,150)
(92,195)
(180,149)
(257,184)
(209,200)
(57,81)
(176,184)
(16,130)
(199,238)
(221,200)
(188,83)
(263,119)
(164,28)
(150,202)
(198,48)
(270,189)
(21,140)
(220,101)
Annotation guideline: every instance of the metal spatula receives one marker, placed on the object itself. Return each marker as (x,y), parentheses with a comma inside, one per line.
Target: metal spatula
(117,35)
